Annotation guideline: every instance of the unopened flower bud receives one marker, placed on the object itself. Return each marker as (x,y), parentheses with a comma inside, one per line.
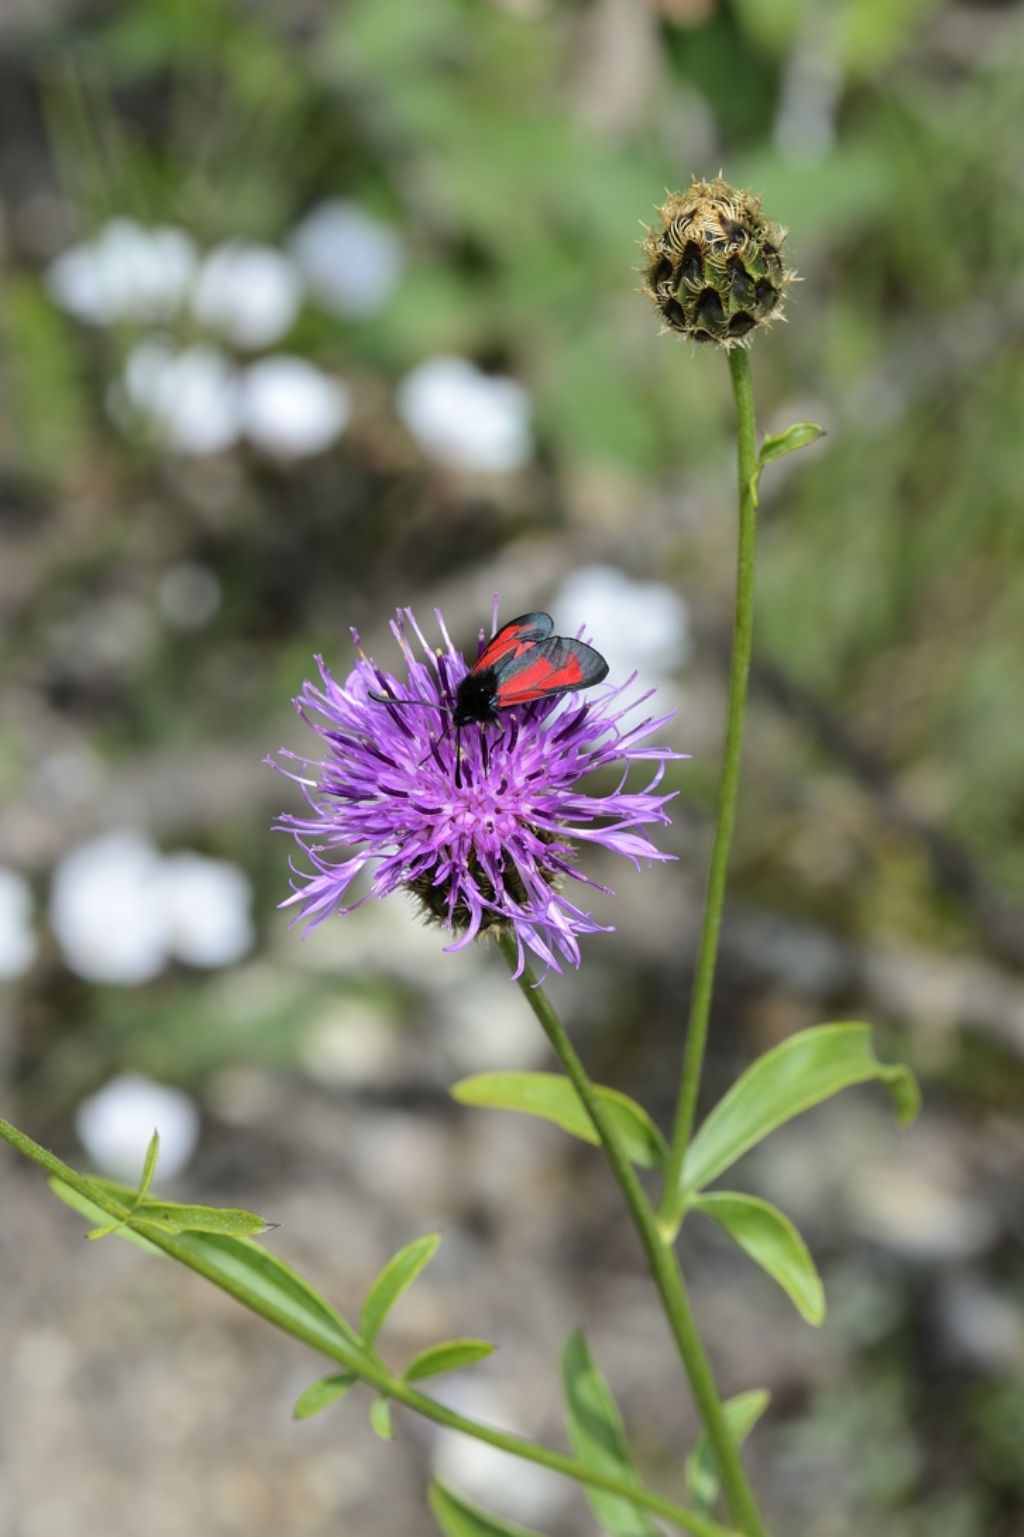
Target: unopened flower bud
(714,267)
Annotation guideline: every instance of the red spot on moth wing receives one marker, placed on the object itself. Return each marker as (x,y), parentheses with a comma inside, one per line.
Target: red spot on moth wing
(534,682)
(555,666)
(592,665)
(513,639)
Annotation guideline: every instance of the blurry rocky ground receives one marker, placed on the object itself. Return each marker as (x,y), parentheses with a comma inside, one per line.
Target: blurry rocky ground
(306,318)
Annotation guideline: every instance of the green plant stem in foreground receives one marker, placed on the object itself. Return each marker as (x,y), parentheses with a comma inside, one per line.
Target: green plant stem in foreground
(660,1256)
(366,1365)
(671,1208)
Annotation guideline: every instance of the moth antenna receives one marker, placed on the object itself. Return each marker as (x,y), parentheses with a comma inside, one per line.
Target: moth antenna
(427,704)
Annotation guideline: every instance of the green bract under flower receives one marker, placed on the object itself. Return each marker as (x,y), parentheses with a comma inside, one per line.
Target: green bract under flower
(714,267)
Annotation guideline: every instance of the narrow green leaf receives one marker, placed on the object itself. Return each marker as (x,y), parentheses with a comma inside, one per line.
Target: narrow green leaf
(149,1165)
(553,1098)
(777,445)
(380,1418)
(772,1241)
(805,1069)
(458,1518)
(87,1209)
(322,1393)
(596,1431)
(702,1477)
(242,1267)
(246,1267)
(176,1216)
(173,1217)
(447,1357)
(399,1272)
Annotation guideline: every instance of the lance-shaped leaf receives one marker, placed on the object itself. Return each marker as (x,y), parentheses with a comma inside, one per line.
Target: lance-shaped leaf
(149,1165)
(805,1069)
(380,1418)
(553,1098)
(778,444)
(174,1217)
(319,1394)
(447,1357)
(399,1272)
(244,1269)
(702,1476)
(244,1266)
(770,1239)
(247,1271)
(596,1431)
(458,1518)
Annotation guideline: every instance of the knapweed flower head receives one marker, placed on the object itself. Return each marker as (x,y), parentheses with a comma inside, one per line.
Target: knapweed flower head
(492,848)
(714,267)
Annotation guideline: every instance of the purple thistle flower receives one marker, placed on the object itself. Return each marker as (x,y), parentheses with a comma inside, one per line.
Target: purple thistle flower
(494,853)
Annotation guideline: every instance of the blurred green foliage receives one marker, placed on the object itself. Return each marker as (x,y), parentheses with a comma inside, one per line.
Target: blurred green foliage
(891,583)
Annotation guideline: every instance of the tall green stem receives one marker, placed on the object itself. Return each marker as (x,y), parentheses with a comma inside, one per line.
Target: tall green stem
(671,1208)
(660,1256)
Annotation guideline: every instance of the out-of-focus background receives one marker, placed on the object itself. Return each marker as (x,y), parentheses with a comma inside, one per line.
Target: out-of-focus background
(312,310)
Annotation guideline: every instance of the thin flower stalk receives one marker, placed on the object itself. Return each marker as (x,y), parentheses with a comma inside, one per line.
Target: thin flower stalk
(671,1207)
(661,1259)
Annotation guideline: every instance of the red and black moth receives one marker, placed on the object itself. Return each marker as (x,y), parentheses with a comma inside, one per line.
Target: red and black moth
(524,661)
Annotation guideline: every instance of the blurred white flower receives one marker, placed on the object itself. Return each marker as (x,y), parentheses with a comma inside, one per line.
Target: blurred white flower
(207,910)
(637,626)
(188,399)
(120,909)
(115,1125)
(127,273)
(466,418)
(291,408)
(523,1491)
(17,941)
(351,261)
(248,293)
(106,909)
